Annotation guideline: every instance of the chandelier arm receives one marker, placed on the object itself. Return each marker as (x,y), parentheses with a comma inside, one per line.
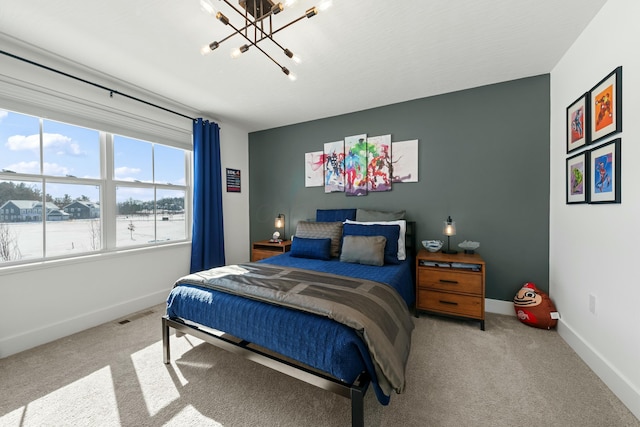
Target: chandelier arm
(270,36)
(285,26)
(265,35)
(253,43)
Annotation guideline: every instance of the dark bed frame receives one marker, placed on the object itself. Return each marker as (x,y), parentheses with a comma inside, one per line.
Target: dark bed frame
(355,391)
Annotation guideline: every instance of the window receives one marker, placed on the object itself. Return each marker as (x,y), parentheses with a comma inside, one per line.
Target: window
(63,186)
(150,182)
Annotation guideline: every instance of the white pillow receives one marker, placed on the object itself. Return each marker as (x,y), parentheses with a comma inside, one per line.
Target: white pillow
(402,253)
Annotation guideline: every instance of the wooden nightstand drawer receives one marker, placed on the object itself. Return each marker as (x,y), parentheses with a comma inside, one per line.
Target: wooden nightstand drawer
(456,304)
(450,284)
(445,280)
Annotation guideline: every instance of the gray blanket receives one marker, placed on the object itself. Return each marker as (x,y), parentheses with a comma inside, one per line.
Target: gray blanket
(374,310)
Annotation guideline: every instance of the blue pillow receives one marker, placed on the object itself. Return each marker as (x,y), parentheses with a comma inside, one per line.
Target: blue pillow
(331,215)
(391,232)
(303,247)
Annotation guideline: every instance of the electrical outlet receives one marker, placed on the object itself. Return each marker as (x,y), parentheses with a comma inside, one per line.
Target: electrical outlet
(592,303)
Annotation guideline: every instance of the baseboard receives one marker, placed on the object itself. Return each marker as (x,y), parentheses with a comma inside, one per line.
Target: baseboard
(499,307)
(35,337)
(617,383)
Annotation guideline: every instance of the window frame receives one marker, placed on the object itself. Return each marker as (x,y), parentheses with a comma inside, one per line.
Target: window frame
(107,190)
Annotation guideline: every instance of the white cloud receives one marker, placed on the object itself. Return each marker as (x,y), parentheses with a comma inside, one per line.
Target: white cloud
(55,169)
(123,173)
(60,144)
(25,167)
(22,142)
(3,114)
(34,168)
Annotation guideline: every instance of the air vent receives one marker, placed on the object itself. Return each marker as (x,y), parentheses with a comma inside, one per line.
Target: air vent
(135,316)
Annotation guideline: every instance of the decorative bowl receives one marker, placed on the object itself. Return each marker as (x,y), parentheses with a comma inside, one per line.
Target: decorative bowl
(469,246)
(432,245)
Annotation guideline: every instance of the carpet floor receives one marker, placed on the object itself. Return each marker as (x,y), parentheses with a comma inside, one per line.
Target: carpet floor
(113,375)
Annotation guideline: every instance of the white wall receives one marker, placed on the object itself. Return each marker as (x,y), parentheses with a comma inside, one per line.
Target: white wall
(594,247)
(46,301)
(235,155)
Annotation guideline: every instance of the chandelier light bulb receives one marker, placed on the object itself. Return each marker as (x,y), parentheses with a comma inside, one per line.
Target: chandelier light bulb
(235,52)
(207,7)
(324,5)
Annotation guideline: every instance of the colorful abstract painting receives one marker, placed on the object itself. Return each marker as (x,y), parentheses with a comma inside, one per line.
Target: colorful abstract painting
(333,167)
(404,161)
(313,169)
(379,163)
(356,165)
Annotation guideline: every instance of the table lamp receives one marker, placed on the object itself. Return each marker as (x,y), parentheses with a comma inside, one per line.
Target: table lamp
(279,223)
(449,230)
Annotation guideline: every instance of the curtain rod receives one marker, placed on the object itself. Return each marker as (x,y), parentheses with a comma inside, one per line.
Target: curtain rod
(111,91)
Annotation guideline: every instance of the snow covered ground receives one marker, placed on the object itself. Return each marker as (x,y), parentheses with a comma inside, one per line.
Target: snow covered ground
(78,236)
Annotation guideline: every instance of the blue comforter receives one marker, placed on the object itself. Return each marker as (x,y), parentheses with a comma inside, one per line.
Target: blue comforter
(313,340)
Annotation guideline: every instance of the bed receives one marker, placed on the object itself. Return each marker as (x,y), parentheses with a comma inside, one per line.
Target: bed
(241,308)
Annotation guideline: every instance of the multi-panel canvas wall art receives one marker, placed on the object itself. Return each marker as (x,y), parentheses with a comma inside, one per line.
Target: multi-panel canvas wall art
(355,149)
(405,161)
(360,164)
(334,167)
(379,166)
(313,169)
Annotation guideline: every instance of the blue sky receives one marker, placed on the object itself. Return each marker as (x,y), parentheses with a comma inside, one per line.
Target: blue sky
(75,151)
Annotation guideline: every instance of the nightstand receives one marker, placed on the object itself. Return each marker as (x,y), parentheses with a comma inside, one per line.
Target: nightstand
(450,284)
(265,249)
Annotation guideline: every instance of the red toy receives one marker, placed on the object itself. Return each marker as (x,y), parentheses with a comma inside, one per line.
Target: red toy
(535,308)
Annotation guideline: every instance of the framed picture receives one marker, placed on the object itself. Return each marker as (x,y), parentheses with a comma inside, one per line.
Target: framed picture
(233,180)
(577,126)
(604,173)
(577,179)
(605,105)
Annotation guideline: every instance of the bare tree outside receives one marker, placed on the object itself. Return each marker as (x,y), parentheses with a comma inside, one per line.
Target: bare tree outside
(9,250)
(94,234)
(131,228)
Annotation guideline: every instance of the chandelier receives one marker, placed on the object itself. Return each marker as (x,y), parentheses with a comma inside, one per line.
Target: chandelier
(257,27)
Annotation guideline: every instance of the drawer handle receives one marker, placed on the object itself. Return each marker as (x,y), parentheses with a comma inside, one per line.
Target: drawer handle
(453,282)
(448,302)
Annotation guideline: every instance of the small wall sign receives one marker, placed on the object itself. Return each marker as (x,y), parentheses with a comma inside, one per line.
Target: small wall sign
(233,180)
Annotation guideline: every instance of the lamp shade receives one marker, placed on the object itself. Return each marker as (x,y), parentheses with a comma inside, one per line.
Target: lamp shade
(449,228)
(279,223)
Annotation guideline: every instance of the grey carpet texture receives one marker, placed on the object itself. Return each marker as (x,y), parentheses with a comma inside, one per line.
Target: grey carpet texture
(457,375)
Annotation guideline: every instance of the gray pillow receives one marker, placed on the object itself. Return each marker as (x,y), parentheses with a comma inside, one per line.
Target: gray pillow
(322,230)
(363,249)
(373,215)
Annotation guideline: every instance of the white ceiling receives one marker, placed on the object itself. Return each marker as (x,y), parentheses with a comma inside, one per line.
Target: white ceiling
(358,54)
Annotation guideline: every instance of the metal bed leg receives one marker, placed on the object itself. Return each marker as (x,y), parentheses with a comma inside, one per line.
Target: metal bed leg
(358,390)
(165,341)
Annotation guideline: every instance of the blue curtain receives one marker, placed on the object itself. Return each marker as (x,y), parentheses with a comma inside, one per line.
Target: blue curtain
(207,243)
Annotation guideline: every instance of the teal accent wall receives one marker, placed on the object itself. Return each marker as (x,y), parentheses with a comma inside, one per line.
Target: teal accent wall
(483,159)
